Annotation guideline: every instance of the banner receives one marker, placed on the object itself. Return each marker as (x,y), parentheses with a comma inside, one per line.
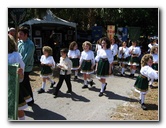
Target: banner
(13,91)
(110,31)
(97,32)
(122,33)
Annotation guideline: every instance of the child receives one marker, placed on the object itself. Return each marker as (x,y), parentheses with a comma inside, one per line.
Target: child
(122,56)
(65,66)
(104,61)
(134,53)
(146,73)
(47,62)
(154,53)
(15,57)
(74,56)
(114,49)
(87,63)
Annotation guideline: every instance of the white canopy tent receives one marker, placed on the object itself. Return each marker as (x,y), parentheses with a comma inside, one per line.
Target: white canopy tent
(49,18)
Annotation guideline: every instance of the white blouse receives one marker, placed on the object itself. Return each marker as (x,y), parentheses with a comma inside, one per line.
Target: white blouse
(149,72)
(89,55)
(114,48)
(155,58)
(98,47)
(136,50)
(125,51)
(74,53)
(15,57)
(67,65)
(47,60)
(104,54)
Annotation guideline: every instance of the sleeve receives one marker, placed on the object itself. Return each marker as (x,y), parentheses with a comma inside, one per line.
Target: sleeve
(139,51)
(119,55)
(81,58)
(53,62)
(68,65)
(97,58)
(29,54)
(93,58)
(41,59)
(149,72)
(116,49)
(78,53)
(69,54)
(110,56)
(126,53)
(22,64)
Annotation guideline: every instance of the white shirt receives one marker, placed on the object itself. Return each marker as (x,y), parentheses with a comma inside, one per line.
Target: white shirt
(67,65)
(155,58)
(114,48)
(15,57)
(125,52)
(98,47)
(104,54)
(74,53)
(149,72)
(89,55)
(136,50)
(47,60)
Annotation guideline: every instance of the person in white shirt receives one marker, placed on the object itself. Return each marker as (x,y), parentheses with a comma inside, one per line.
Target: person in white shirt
(104,61)
(47,64)
(152,43)
(146,73)
(154,53)
(13,58)
(74,56)
(65,66)
(114,49)
(98,45)
(134,53)
(87,63)
(123,54)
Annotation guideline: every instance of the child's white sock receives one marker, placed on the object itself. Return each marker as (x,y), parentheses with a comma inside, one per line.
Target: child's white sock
(122,70)
(133,71)
(22,118)
(51,80)
(102,87)
(151,81)
(142,98)
(85,82)
(76,73)
(43,85)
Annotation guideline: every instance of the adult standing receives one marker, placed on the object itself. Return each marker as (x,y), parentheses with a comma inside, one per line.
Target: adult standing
(26,48)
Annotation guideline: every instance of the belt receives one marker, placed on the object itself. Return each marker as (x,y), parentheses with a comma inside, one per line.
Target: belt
(87,60)
(142,76)
(103,59)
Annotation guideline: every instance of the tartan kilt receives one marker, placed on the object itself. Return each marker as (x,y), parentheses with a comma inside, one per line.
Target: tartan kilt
(75,62)
(141,83)
(103,68)
(46,70)
(86,66)
(134,60)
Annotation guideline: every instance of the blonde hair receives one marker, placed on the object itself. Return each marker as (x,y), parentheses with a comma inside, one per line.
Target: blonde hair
(87,43)
(12,47)
(145,59)
(72,45)
(153,49)
(48,50)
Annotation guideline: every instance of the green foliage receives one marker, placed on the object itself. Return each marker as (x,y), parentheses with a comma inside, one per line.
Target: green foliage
(146,18)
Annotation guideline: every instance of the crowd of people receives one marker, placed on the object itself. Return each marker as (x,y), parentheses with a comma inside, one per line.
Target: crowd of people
(108,53)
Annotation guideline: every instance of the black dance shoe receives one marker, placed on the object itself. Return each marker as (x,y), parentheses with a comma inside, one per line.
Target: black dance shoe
(100,94)
(41,91)
(143,106)
(85,86)
(52,85)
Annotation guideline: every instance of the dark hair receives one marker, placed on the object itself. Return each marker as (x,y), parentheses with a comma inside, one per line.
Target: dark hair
(24,30)
(72,45)
(11,44)
(107,41)
(64,50)
(48,50)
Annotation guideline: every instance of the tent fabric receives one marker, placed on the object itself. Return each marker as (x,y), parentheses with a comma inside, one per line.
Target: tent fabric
(49,18)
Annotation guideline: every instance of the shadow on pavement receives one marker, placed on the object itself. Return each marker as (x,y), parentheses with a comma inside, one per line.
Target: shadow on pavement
(112,95)
(152,106)
(76,97)
(43,114)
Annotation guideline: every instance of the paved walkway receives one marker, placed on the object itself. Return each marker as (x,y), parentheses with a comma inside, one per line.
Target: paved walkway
(83,104)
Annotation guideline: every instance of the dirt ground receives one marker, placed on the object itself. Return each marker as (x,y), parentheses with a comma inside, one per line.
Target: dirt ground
(119,103)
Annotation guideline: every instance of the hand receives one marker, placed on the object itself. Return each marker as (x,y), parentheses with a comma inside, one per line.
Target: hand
(49,65)
(92,67)
(20,71)
(42,64)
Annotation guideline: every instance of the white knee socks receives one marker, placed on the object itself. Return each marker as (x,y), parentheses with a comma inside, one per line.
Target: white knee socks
(142,98)
(76,73)
(102,87)
(43,85)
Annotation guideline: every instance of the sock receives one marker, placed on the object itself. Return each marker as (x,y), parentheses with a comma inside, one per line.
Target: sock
(43,85)
(22,118)
(151,81)
(132,71)
(51,80)
(122,70)
(89,80)
(142,98)
(85,82)
(76,73)
(102,87)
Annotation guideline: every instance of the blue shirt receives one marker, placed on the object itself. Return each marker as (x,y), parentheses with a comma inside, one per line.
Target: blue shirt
(26,49)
